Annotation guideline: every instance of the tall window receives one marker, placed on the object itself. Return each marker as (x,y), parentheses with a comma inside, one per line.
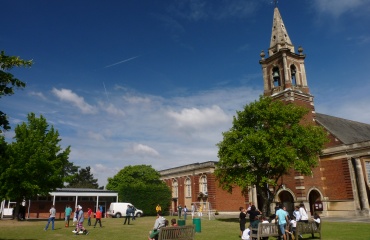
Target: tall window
(175,189)
(187,187)
(293,72)
(203,184)
(276,76)
(367,166)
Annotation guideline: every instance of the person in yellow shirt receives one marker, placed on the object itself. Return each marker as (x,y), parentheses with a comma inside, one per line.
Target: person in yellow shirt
(158,208)
(200,209)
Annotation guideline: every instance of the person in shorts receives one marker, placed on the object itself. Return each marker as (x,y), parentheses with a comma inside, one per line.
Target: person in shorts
(80,222)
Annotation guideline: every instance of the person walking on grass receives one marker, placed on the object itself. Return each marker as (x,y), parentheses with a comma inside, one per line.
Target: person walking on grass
(67,212)
(80,222)
(128,215)
(51,218)
(89,212)
(282,217)
(98,217)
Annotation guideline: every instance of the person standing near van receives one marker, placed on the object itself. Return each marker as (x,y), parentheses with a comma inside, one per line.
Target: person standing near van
(133,209)
(128,215)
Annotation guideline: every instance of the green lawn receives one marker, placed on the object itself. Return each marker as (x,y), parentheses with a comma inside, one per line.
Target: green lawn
(224,229)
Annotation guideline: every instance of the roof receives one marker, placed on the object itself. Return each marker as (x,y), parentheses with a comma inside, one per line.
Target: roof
(279,35)
(83,192)
(347,131)
(91,190)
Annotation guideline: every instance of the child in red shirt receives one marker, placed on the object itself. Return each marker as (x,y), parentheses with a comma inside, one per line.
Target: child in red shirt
(98,217)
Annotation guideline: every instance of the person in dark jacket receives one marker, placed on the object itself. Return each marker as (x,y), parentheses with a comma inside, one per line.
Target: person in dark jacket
(128,215)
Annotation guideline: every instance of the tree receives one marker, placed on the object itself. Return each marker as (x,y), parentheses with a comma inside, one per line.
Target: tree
(34,163)
(141,186)
(266,140)
(134,175)
(70,172)
(8,82)
(83,179)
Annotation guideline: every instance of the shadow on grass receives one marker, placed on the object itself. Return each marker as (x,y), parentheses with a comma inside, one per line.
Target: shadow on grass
(228,220)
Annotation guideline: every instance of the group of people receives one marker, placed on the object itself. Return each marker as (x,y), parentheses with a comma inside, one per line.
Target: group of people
(184,210)
(253,212)
(287,224)
(78,218)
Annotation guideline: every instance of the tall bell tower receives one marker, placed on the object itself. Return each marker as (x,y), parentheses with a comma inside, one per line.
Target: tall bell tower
(284,74)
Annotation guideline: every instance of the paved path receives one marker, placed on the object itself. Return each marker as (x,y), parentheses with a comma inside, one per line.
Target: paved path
(347,219)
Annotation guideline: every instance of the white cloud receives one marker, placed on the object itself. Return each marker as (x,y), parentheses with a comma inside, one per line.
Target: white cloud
(38,94)
(95,136)
(136,99)
(67,95)
(339,7)
(111,109)
(145,150)
(198,118)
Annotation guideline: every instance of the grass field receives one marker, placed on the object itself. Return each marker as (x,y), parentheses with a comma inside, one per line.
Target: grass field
(223,229)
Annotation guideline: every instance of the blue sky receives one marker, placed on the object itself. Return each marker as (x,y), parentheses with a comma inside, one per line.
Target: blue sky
(157,81)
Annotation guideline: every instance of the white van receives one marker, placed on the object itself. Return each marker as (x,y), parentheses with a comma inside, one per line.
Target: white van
(118,209)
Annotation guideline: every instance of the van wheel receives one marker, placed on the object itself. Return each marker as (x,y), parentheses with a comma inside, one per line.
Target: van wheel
(138,214)
(118,215)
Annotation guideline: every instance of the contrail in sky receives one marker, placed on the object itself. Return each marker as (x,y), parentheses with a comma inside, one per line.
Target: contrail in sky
(105,91)
(123,61)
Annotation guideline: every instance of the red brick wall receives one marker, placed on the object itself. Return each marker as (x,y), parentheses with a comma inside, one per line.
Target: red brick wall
(219,199)
(338,180)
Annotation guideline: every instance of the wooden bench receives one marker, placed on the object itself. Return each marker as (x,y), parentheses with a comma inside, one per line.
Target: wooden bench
(308,228)
(264,230)
(179,232)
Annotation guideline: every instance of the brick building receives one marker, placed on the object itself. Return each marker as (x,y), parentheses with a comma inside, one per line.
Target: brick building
(196,183)
(339,186)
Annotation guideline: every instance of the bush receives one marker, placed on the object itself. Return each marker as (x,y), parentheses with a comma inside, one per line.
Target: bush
(147,197)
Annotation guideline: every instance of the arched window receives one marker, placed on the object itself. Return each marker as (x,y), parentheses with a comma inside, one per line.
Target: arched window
(293,71)
(175,189)
(276,76)
(187,187)
(203,184)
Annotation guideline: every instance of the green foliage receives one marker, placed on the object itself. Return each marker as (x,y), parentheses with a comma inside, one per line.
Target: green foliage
(134,175)
(83,179)
(8,82)
(70,172)
(146,197)
(34,162)
(264,143)
(141,186)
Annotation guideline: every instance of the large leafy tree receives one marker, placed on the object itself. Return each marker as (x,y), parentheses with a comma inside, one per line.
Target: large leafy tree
(266,141)
(8,82)
(34,162)
(141,186)
(83,179)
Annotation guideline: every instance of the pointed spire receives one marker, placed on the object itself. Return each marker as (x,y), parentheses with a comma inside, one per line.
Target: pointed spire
(279,37)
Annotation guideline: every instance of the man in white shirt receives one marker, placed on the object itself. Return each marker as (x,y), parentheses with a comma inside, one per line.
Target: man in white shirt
(51,218)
